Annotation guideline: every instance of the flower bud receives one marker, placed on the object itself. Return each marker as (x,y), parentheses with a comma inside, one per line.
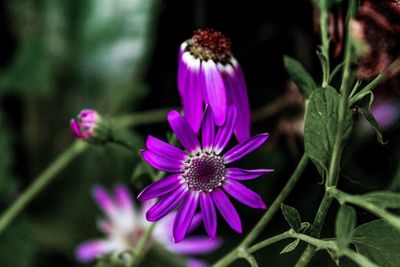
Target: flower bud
(91,127)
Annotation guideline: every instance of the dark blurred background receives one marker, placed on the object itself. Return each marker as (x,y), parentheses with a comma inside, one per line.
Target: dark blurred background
(119,57)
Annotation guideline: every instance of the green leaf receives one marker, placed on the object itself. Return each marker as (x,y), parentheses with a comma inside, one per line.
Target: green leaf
(374,124)
(320,126)
(379,242)
(345,224)
(292,216)
(326,4)
(300,76)
(384,199)
(290,247)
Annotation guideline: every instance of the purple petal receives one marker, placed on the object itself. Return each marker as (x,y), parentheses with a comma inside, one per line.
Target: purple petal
(208,130)
(197,220)
(123,197)
(192,100)
(75,128)
(184,216)
(196,263)
(160,188)
(227,210)
(215,89)
(91,250)
(164,149)
(224,133)
(238,91)
(161,163)
(104,200)
(196,245)
(165,204)
(209,214)
(243,194)
(244,148)
(184,133)
(241,174)
(182,74)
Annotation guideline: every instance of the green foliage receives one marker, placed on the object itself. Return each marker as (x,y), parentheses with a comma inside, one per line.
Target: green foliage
(290,247)
(383,199)
(292,216)
(320,126)
(374,124)
(379,242)
(7,180)
(300,76)
(345,224)
(325,5)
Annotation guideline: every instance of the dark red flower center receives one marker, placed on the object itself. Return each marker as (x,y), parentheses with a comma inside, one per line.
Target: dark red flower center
(210,44)
(204,171)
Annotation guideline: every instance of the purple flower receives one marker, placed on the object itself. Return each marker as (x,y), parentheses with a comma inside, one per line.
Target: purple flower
(89,126)
(208,73)
(386,113)
(201,176)
(124,226)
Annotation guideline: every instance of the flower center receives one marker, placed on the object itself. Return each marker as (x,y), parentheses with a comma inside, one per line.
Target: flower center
(204,171)
(210,44)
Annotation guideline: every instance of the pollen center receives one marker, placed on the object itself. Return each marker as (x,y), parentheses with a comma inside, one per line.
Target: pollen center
(210,44)
(204,171)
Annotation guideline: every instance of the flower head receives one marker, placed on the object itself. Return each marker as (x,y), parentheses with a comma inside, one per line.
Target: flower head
(209,74)
(201,174)
(386,113)
(90,126)
(124,226)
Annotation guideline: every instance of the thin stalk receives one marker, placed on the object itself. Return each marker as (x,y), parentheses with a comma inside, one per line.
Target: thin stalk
(359,258)
(269,241)
(142,118)
(325,47)
(233,255)
(40,182)
(142,246)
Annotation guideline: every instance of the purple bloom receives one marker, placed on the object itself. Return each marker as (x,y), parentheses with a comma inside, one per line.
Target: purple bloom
(386,113)
(201,176)
(124,226)
(89,126)
(208,73)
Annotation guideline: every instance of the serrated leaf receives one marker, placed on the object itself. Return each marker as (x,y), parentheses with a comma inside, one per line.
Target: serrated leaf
(290,247)
(300,76)
(384,199)
(320,126)
(345,224)
(379,242)
(374,124)
(292,216)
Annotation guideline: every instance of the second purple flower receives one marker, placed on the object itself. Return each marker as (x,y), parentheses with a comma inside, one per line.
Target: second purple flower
(209,74)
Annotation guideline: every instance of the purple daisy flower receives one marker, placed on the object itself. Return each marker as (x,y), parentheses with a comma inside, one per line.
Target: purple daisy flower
(208,73)
(125,224)
(201,176)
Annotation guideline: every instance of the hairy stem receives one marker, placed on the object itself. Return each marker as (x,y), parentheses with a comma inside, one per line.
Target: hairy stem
(233,255)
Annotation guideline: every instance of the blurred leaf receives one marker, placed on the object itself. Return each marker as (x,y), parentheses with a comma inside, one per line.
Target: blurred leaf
(374,124)
(327,4)
(8,183)
(320,126)
(379,242)
(345,224)
(292,216)
(384,199)
(290,247)
(17,249)
(300,76)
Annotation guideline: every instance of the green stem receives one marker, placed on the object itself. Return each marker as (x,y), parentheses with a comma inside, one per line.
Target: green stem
(359,258)
(316,230)
(142,118)
(141,246)
(360,202)
(366,90)
(40,182)
(269,241)
(233,255)
(325,47)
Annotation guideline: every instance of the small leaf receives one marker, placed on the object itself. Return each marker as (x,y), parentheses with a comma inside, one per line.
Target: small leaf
(379,242)
(320,126)
(384,199)
(345,224)
(300,76)
(291,246)
(374,124)
(292,216)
